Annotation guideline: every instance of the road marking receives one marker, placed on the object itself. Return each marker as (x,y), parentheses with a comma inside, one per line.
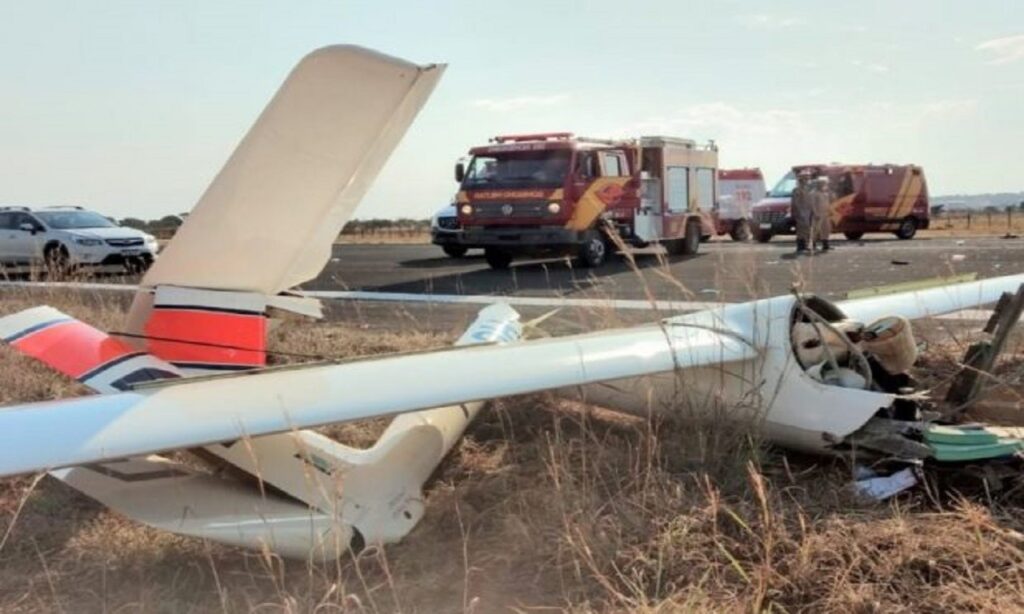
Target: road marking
(521,301)
(477,299)
(439,299)
(911,286)
(68,285)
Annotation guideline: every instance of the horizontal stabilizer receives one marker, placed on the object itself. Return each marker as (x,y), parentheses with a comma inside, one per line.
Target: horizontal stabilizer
(74,348)
(167,495)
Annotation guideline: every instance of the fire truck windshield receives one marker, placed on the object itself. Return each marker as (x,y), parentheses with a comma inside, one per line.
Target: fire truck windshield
(784,188)
(518,169)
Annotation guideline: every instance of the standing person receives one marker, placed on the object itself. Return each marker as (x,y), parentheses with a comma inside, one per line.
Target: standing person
(822,200)
(803,211)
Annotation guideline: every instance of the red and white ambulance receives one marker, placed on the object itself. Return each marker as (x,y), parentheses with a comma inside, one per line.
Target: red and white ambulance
(865,198)
(738,191)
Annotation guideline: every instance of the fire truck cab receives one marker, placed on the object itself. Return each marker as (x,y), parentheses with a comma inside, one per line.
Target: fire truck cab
(557,194)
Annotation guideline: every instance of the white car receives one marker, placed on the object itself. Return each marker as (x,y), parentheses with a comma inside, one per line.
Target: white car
(63,238)
(445,232)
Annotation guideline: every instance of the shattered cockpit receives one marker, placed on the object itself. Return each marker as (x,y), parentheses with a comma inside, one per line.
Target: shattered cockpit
(908,435)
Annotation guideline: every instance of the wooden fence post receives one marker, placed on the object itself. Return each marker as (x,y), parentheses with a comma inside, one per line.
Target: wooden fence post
(981,356)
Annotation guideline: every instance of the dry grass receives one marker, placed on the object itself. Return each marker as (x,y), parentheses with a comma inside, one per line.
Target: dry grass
(386,236)
(545,505)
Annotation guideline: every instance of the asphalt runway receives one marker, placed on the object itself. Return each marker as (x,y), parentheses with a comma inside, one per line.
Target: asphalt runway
(426,282)
(723,271)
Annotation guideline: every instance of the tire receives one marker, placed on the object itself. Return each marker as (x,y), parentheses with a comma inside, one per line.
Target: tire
(137,266)
(854,236)
(593,252)
(740,231)
(907,229)
(691,240)
(58,261)
(455,251)
(497,259)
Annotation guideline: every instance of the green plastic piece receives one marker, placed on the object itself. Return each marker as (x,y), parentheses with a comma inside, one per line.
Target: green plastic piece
(953,444)
(968,443)
(959,436)
(952,453)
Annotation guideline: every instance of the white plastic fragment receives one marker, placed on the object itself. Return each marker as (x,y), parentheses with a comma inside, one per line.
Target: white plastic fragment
(881,488)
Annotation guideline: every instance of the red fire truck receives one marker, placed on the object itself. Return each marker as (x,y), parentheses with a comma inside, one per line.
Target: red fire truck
(554,193)
(865,198)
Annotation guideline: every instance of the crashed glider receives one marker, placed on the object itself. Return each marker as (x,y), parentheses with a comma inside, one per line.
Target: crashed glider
(190,373)
(741,358)
(266,223)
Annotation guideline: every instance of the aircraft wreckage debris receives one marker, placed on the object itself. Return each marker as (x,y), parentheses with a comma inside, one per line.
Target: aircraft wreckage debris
(191,373)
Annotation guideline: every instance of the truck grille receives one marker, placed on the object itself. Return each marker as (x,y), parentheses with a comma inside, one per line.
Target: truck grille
(124,242)
(517,209)
(448,223)
(769,216)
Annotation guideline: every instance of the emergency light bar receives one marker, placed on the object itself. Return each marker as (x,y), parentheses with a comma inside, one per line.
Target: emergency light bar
(541,136)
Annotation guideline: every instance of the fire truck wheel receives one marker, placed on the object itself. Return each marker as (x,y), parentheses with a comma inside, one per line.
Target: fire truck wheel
(497,259)
(854,236)
(740,231)
(907,229)
(691,241)
(593,252)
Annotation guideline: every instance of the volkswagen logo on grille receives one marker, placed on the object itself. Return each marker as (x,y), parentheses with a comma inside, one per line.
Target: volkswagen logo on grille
(506,209)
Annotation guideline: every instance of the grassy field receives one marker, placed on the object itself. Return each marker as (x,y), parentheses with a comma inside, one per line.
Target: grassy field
(545,505)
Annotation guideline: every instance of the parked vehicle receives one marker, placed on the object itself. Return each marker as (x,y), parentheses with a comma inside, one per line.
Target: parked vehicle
(446,233)
(564,195)
(738,190)
(866,198)
(63,238)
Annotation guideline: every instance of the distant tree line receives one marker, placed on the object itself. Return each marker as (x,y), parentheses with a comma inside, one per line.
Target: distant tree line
(942,209)
(377,225)
(164,227)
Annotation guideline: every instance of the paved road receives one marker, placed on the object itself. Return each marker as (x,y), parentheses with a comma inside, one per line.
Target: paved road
(722,271)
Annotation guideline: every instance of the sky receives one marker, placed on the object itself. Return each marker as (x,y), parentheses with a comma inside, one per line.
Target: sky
(132,107)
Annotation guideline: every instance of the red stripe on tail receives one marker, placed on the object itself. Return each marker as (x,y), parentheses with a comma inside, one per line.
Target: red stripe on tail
(207,336)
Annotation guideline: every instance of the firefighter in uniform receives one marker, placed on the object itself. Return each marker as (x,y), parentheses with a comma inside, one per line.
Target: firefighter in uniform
(822,200)
(803,211)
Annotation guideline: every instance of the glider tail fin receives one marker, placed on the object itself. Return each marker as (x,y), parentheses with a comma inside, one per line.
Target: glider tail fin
(202,331)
